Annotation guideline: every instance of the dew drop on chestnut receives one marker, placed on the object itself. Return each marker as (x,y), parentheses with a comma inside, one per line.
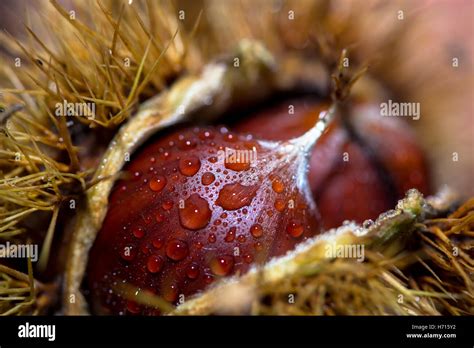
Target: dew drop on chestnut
(208,279)
(145,248)
(177,249)
(212,238)
(222,265)
(230,236)
(138,232)
(154,263)
(189,166)
(157,243)
(256,230)
(278,186)
(235,196)
(133,307)
(279,205)
(207,178)
(248,258)
(167,205)
(157,184)
(192,271)
(230,137)
(196,213)
(204,135)
(237,166)
(295,228)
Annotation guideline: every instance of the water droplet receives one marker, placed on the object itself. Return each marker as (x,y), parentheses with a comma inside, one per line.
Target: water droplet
(241,238)
(192,271)
(204,135)
(166,155)
(367,223)
(208,178)
(295,228)
(236,196)
(258,246)
(256,230)
(222,265)
(231,138)
(208,279)
(189,166)
(154,263)
(167,205)
(186,144)
(280,205)
(212,238)
(133,307)
(157,184)
(138,232)
(278,186)
(157,243)
(230,236)
(177,249)
(248,258)
(145,248)
(237,166)
(196,213)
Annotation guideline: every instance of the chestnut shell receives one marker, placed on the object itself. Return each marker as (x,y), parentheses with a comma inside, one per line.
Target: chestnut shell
(181,218)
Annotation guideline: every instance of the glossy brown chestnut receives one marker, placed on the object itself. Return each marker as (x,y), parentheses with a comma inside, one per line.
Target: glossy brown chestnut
(184,216)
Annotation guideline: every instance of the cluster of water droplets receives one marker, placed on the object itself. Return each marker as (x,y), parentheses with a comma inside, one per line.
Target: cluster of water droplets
(214,196)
